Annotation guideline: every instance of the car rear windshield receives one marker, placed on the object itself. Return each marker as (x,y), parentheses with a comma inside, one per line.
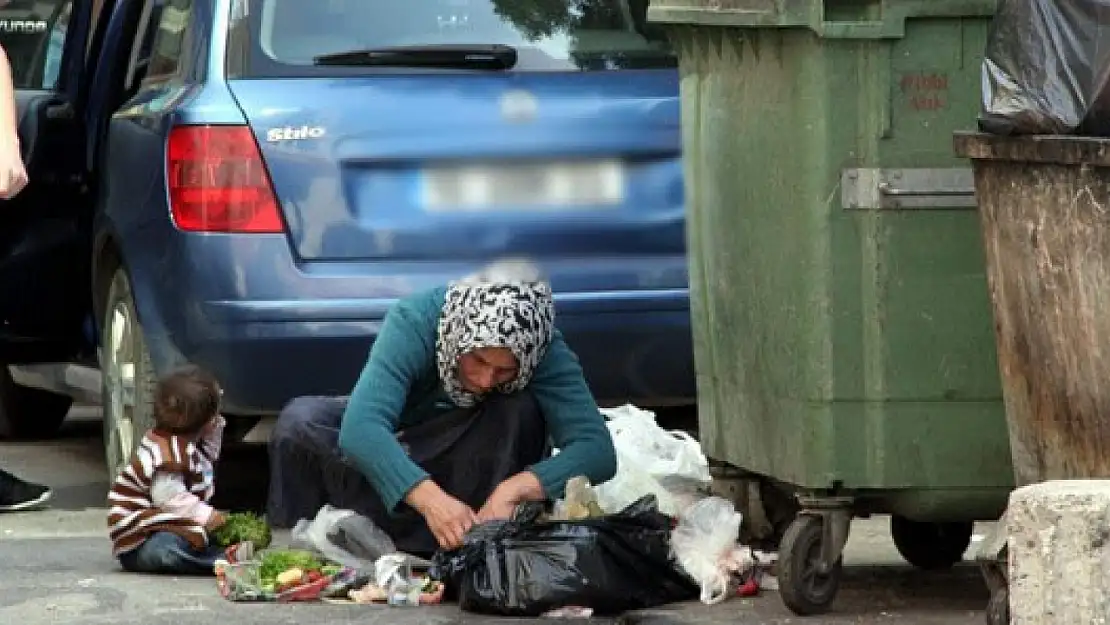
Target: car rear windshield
(273,38)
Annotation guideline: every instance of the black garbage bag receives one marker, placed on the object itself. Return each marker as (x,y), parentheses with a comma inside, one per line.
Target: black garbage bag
(527,567)
(1047,68)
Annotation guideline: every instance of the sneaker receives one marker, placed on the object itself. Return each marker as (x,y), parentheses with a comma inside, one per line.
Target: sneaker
(16,494)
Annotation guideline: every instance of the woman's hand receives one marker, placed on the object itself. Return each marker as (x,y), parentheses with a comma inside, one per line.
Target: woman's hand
(499,507)
(447,517)
(509,494)
(13,175)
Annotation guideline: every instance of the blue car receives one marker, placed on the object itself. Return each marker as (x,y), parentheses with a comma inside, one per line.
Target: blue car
(249,184)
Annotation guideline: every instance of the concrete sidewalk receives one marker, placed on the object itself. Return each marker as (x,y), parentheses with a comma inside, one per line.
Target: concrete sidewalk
(59,569)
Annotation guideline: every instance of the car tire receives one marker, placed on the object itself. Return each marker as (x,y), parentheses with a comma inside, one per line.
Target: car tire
(931,546)
(29,413)
(127,373)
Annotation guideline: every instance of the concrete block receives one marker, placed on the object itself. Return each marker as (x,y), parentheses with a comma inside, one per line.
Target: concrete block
(1059,553)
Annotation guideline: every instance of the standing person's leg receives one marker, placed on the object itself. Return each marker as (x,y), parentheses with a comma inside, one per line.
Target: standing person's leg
(303,447)
(17,494)
(170,554)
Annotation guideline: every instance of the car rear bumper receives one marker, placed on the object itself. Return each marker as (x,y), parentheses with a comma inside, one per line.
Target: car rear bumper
(263,358)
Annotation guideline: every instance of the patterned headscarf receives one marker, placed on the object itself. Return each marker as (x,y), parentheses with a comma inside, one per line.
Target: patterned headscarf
(505,305)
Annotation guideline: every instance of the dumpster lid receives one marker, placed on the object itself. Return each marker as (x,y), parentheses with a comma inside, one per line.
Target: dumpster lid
(1056,149)
(879,19)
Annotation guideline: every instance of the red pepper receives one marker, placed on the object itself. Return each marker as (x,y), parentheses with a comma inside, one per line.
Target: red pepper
(749,588)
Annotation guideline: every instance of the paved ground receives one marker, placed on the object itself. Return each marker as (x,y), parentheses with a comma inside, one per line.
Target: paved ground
(59,570)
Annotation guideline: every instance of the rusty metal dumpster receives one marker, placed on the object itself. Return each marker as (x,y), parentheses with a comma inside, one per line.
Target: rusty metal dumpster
(843,337)
(1044,206)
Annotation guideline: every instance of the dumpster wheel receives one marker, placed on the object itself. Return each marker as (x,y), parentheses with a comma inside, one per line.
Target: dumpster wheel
(930,546)
(805,588)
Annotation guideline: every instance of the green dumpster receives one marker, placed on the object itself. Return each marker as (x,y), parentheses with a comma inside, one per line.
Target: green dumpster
(843,333)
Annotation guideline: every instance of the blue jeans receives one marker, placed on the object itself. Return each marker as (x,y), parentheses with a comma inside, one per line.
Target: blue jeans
(165,552)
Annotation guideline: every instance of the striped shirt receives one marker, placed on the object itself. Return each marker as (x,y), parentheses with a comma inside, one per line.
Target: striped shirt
(133,516)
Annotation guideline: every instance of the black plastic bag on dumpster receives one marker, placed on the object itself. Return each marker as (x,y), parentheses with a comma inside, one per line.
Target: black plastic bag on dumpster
(526,567)
(1047,68)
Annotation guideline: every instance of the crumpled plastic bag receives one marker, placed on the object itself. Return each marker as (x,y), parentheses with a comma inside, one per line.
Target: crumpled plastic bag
(525,567)
(705,546)
(1047,68)
(651,460)
(344,537)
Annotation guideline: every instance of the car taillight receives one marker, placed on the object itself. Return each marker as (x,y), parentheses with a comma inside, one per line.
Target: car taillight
(218,182)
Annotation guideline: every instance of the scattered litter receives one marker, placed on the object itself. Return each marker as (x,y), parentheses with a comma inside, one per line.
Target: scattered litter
(765,557)
(570,612)
(705,546)
(393,577)
(85,583)
(296,575)
(766,564)
(338,557)
(400,590)
(344,537)
(370,593)
(749,588)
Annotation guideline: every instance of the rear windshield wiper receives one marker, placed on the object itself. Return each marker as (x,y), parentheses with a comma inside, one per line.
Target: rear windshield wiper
(485,56)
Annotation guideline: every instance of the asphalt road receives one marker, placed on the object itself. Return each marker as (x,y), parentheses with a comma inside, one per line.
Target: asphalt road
(59,569)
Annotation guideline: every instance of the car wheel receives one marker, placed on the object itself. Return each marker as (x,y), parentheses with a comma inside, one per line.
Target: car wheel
(128,376)
(931,546)
(29,413)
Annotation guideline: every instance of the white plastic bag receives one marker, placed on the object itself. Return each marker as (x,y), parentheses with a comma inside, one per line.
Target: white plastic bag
(669,464)
(705,545)
(659,452)
(320,535)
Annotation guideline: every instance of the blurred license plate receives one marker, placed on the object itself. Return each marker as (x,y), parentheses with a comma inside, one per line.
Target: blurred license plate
(539,185)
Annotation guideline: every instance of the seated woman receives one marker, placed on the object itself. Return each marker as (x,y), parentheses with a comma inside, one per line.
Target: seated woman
(450,422)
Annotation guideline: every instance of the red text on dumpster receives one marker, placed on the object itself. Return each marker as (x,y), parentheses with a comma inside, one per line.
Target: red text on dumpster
(925,91)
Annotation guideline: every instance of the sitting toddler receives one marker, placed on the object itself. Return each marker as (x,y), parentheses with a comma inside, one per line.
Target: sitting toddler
(159,516)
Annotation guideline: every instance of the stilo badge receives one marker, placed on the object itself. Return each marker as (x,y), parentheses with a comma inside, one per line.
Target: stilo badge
(518,106)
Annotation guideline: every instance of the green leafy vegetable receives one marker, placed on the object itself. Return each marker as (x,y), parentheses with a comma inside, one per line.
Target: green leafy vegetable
(241,527)
(277,561)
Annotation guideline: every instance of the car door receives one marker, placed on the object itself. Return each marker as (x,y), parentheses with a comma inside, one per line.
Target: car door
(45,230)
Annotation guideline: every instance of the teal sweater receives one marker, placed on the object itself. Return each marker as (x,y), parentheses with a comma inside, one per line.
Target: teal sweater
(400,387)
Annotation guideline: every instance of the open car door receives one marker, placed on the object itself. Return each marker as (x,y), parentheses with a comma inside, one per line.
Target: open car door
(45,231)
